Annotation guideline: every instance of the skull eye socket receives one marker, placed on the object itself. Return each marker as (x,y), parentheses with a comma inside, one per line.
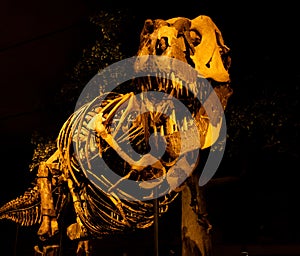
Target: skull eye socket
(162,45)
(195,37)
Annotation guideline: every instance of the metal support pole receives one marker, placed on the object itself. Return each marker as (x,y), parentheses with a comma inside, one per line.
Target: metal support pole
(156,215)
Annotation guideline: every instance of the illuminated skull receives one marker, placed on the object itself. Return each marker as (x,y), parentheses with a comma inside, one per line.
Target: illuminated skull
(197,42)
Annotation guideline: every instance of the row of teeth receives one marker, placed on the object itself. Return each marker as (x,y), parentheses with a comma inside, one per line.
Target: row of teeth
(172,126)
(168,82)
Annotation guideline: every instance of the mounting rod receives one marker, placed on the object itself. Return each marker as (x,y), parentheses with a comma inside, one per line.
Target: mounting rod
(156,215)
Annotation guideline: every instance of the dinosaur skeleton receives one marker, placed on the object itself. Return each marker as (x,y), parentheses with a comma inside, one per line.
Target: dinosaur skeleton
(104,123)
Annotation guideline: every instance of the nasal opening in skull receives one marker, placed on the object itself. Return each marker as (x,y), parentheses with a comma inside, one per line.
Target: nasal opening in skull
(149,26)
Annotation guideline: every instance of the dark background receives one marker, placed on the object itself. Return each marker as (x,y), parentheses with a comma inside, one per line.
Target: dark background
(257,211)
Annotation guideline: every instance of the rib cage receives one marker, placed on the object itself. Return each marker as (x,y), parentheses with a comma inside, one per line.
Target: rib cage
(24,210)
(101,213)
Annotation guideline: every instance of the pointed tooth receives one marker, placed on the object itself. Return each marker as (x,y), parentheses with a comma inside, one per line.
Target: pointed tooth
(177,87)
(162,133)
(160,86)
(180,84)
(187,91)
(155,130)
(169,126)
(180,87)
(173,77)
(167,84)
(173,115)
(172,93)
(185,124)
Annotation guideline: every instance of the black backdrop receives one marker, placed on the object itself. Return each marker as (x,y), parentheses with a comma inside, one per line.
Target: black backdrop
(41,42)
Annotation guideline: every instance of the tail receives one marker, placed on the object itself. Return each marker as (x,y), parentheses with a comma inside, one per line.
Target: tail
(24,210)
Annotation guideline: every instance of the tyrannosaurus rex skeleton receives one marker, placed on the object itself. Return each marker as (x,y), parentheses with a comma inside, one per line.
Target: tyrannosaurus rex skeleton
(99,212)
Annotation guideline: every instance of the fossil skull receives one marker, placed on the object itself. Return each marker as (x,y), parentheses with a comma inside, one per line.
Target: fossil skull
(197,42)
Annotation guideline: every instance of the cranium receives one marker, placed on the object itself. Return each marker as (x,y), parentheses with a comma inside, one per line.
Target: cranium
(197,42)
